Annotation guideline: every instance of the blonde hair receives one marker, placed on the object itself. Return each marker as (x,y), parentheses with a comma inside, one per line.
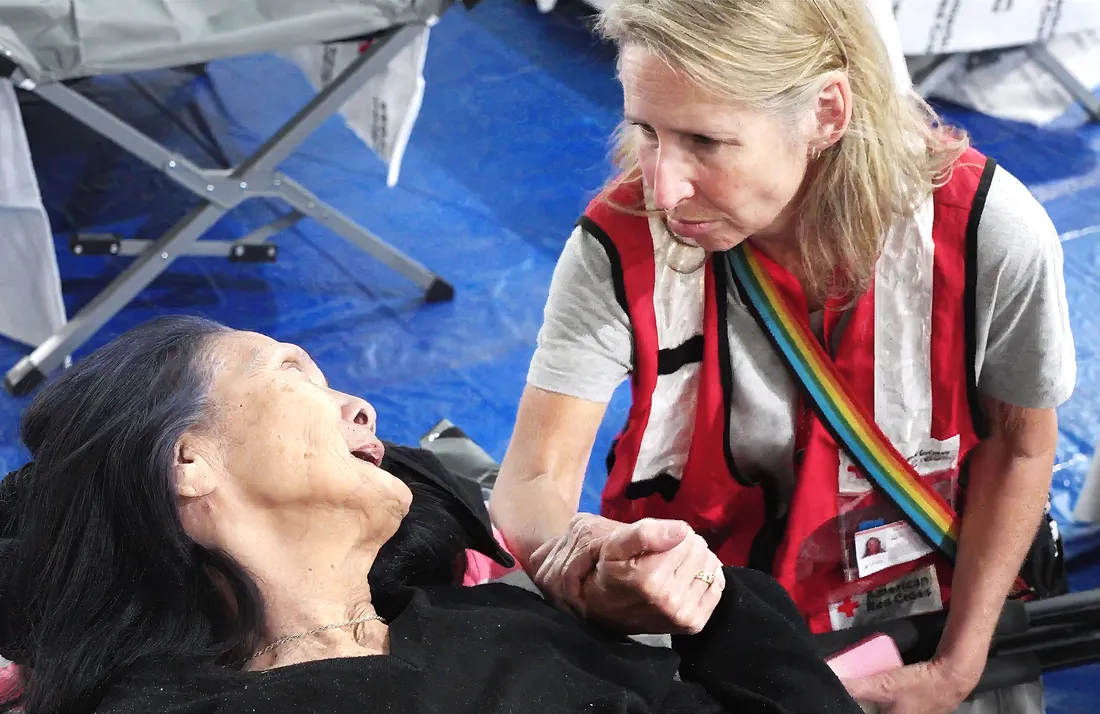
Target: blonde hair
(774,55)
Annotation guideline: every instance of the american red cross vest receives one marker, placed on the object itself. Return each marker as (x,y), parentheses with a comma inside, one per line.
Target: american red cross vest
(906,348)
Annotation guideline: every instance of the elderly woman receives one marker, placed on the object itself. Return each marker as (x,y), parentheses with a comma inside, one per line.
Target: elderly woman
(196,531)
(825,302)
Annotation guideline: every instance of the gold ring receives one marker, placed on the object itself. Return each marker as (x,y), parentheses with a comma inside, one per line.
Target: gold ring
(706,577)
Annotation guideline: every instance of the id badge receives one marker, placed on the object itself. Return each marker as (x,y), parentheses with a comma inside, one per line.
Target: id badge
(881,547)
(874,534)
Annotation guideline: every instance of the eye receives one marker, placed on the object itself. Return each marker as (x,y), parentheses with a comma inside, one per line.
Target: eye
(646,130)
(704,142)
(291,364)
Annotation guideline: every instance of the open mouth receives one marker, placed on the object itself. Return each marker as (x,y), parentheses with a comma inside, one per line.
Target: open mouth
(371,453)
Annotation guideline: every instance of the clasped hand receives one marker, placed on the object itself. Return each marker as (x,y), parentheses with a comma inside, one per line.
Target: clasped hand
(635,578)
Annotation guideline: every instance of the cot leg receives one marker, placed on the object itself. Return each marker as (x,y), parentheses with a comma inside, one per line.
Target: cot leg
(33,369)
(1080,92)
(436,288)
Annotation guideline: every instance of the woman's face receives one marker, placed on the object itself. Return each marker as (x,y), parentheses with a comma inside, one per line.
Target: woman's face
(720,173)
(287,448)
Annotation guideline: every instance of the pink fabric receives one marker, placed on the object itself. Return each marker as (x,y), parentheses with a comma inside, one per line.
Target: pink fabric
(481,568)
(11,682)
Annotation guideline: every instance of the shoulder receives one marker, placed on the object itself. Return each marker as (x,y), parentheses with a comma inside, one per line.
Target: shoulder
(1025,350)
(1014,230)
(587,253)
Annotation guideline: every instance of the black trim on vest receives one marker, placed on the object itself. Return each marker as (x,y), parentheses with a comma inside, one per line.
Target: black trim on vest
(725,365)
(970,300)
(672,359)
(618,282)
(765,545)
(604,240)
(663,484)
(766,542)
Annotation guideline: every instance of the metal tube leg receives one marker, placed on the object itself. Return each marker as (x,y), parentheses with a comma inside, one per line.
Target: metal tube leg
(1080,92)
(436,289)
(930,78)
(33,369)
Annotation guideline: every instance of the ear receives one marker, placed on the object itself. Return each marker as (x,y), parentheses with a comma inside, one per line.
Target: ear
(832,111)
(196,475)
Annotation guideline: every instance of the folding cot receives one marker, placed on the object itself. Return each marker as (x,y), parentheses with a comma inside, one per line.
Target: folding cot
(46,43)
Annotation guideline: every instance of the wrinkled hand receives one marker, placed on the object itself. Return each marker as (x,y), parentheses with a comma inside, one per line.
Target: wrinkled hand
(645,580)
(637,578)
(925,688)
(561,565)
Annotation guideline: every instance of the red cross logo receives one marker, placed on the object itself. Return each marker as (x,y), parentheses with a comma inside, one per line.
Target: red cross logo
(848,607)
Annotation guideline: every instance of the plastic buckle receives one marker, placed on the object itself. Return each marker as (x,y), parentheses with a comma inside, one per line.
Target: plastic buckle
(253,253)
(7,65)
(95,244)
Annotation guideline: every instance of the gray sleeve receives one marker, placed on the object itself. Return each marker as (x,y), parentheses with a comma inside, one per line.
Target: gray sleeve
(584,344)
(1025,353)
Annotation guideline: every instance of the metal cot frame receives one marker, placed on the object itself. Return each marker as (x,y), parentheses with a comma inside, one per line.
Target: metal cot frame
(220,190)
(930,78)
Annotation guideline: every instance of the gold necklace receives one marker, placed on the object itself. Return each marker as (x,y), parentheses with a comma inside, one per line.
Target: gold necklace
(316,630)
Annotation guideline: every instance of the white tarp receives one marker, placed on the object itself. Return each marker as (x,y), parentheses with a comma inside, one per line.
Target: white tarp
(950,26)
(31,308)
(384,111)
(1015,87)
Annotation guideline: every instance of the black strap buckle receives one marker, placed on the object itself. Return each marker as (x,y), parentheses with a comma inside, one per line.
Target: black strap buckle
(7,65)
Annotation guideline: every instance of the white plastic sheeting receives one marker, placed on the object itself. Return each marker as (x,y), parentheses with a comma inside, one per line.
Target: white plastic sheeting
(31,308)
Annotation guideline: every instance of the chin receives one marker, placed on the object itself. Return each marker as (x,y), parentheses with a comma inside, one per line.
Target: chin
(405,497)
(721,242)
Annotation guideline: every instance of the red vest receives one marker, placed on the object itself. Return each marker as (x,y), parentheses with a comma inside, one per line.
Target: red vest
(736,514)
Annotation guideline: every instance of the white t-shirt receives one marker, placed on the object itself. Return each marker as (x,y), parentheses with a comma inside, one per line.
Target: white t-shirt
(1025,353)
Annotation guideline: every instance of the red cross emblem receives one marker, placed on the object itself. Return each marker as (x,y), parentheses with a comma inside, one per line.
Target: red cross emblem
(848,607)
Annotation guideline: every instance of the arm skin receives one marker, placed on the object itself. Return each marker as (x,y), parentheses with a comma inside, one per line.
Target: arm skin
(538,489)
(1010,478)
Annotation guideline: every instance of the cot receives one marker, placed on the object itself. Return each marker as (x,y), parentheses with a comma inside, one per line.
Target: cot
(46,43)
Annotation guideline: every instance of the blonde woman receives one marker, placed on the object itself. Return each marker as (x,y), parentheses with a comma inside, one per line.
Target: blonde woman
(931,279)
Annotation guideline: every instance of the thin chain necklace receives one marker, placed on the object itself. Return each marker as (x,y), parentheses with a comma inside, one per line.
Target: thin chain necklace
(314,631)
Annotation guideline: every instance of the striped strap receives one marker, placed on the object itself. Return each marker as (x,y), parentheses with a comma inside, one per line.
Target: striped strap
(860,437)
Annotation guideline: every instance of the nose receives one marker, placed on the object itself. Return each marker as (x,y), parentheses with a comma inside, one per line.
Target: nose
(359,411)
(671,184)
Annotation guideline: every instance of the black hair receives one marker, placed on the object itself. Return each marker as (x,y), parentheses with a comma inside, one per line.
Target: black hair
(99,575)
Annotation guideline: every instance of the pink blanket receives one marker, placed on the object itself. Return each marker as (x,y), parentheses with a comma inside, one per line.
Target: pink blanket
(481,569)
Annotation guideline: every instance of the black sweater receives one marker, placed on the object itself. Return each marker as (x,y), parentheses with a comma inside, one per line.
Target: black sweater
(497,648)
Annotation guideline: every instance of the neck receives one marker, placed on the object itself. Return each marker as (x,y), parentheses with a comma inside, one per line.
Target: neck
(783,249)
(308,583)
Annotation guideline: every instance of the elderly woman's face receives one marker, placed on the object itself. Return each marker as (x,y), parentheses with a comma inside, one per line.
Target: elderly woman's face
(720,173)
(290,445)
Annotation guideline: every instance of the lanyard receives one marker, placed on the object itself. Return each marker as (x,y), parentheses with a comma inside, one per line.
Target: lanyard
(858,435)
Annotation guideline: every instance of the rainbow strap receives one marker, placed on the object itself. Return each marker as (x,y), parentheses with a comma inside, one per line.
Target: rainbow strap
(865,443)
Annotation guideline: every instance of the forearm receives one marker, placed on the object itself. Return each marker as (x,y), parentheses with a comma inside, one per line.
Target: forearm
(528,511)
(538,488)
(1009,482)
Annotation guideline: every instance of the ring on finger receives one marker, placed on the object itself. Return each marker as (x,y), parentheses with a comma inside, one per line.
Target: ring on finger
(706,577)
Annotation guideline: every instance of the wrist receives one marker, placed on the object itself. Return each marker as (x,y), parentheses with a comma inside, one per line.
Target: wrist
(961,670)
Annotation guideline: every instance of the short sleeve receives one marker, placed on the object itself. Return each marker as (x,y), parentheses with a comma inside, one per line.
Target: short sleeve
(1025,352)
(584,344)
